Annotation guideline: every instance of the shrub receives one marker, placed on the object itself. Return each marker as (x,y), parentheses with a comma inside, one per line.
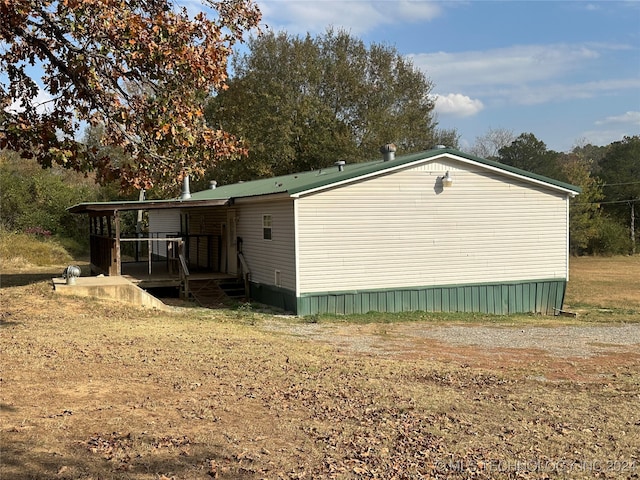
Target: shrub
(612,238)
(35,201)
(24,250)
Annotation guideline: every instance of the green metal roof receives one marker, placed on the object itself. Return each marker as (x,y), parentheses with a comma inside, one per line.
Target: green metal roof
(299,183)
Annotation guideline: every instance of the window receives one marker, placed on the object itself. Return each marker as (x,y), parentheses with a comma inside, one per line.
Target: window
(266,227)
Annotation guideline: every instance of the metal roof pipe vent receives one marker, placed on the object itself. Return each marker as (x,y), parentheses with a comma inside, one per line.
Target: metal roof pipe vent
(71,273)
(340,164)
(212,185)
(186,193)
(388,152)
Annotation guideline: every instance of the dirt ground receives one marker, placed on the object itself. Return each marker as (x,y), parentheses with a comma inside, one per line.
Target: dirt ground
(93,390)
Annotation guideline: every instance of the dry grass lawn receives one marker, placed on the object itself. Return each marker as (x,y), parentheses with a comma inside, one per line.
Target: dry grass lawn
(93,390)
(603,281)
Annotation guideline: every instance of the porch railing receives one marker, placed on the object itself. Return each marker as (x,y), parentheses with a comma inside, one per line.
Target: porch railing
(170,263)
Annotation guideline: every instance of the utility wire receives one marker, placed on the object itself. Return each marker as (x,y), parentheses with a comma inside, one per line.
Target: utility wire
(610,202)
(616,184)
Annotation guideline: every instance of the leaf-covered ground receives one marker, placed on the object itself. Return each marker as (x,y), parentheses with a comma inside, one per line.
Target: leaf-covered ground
(92,390)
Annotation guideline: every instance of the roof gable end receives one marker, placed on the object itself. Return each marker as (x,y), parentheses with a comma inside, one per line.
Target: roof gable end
(372,169)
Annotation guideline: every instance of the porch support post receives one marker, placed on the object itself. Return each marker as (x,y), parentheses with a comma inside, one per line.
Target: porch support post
(116,218)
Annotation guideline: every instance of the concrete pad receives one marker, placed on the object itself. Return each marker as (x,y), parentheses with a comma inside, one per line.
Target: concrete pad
(110,288)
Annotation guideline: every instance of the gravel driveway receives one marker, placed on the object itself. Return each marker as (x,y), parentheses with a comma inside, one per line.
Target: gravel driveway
(384,339)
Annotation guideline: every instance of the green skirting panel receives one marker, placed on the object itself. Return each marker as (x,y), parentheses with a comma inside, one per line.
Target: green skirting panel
(533,296)
(274,296)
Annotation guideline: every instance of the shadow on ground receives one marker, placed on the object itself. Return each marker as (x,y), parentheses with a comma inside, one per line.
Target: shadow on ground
(22,279)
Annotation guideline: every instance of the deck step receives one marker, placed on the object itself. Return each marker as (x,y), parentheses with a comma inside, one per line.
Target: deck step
(233,287)
(216,293)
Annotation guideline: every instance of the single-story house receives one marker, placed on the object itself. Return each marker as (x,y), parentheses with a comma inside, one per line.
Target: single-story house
(439,230)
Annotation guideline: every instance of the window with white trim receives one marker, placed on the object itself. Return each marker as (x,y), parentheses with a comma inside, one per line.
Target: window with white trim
(266,227)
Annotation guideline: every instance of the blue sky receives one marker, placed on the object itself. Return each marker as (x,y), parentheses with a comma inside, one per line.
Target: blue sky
(568,72)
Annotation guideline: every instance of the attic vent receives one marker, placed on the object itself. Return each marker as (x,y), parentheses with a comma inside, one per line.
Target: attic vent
(440,147)
(388,152)
(340,164)
(212,185)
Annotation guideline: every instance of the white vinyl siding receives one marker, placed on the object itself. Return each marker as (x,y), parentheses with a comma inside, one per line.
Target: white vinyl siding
(404,229)
(164,221)
(162,224)
(265,258)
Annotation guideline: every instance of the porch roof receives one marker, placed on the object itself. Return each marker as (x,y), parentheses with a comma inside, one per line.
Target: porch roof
(112,207)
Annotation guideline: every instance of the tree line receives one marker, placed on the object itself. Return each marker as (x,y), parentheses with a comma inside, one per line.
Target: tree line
(604,217)
(152,83)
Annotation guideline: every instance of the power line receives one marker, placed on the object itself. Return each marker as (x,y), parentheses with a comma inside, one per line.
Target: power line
(609,202)
(616,184)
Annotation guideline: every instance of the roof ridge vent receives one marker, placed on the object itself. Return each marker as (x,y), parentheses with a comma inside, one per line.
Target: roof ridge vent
(388,152)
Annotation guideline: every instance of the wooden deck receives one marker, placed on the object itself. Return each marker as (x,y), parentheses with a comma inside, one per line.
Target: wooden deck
(162,275)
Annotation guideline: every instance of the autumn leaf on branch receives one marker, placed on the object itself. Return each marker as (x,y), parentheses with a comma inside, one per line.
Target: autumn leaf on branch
(142,69)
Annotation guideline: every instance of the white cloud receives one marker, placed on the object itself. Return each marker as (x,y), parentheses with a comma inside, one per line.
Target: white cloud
(356,17)
(631,118)
(613,128)
(41,103)
(603,137)
(297,17)
(503,66)
(523,74)
(458,105)
(549,92)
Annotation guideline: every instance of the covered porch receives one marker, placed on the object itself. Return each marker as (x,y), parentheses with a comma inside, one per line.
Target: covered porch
(155,259)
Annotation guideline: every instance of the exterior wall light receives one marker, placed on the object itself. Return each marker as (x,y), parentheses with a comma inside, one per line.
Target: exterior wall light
(447,181)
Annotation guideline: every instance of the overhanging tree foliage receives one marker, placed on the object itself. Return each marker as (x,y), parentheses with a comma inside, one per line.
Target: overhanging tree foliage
(304,103)
(142,68)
